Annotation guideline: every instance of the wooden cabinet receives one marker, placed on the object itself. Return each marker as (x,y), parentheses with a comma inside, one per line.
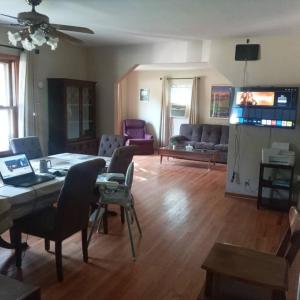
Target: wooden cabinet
(71,109)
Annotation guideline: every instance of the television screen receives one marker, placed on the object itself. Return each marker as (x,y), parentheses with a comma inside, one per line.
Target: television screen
(265,106)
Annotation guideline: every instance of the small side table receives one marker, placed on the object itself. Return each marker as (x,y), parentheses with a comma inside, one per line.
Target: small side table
(244,271)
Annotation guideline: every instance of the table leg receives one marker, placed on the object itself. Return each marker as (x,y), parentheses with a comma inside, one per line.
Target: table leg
(161,159)
(209,164)
(208,284)
(278,295)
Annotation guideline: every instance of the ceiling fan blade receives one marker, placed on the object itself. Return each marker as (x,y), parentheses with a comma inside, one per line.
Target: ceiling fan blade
(67,37)
(9,16)
(72,28)
(14,25)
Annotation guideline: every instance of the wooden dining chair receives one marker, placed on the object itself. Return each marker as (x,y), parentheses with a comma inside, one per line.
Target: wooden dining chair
(70,216)
(29,145)
(234,272)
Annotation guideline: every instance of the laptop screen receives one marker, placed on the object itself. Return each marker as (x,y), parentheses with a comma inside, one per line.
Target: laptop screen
(14,166)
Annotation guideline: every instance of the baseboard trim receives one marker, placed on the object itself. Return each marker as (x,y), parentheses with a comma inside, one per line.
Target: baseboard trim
(241,196)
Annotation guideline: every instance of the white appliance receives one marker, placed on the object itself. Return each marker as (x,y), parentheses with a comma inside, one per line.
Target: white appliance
(278,154)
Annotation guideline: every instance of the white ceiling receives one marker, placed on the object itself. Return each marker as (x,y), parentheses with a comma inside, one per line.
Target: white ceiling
(141,21)
(172,67)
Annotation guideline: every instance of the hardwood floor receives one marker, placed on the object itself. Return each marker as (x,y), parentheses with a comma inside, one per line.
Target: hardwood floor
(183,211)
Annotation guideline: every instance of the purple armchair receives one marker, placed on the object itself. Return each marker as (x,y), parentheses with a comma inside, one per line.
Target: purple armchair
(134,132)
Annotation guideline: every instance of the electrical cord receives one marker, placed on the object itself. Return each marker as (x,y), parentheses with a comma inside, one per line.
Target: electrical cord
(237,138)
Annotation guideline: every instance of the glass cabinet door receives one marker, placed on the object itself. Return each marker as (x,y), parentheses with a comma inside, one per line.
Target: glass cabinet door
(73,110)
(87,112)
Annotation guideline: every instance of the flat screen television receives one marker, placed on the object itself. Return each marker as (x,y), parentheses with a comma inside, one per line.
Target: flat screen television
(265,106)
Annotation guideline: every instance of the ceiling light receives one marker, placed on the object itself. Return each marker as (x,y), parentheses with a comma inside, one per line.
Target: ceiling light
(27,44)
(52,42)
(31,38)
(38,37)
(14,38)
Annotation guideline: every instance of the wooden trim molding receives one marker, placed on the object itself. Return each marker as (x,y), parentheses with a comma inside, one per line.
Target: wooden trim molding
(242,196)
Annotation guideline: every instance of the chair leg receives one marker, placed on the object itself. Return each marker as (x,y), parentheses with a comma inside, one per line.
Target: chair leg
(47,244)
(58,259)
(16,239)
(122,214)
(129,232)
(104,220)
(137,221)
(84,245)
(100,211)
(278,295)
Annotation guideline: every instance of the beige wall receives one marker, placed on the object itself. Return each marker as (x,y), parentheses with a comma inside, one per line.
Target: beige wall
(279,65)
(150,111)
(67,61)
(107,65)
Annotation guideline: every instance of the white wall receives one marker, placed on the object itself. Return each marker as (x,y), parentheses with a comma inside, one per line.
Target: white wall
(108,64)
(279,65)
(150,111)
(67,61)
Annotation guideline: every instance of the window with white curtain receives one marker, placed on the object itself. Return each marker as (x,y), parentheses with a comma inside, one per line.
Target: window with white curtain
(180,102)
(8,101)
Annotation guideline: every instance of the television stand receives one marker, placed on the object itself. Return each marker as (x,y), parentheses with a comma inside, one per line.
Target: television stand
(275,185)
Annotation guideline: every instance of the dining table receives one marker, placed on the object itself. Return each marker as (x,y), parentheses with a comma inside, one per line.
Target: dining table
(17,202)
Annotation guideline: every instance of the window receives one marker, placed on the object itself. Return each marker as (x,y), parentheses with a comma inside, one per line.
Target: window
(8,100)
(180,100)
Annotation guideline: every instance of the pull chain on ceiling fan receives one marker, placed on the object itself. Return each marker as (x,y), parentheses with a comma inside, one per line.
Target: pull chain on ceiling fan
(36,29)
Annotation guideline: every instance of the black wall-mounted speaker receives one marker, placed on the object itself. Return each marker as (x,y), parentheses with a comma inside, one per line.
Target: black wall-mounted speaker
(247,52)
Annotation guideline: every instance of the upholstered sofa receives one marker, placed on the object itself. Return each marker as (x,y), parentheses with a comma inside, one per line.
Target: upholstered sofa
(204,136)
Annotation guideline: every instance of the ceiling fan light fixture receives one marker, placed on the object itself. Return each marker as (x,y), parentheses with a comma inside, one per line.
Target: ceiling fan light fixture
(53,42)
(27,44)
(38,37)
(14,38)
(37,29)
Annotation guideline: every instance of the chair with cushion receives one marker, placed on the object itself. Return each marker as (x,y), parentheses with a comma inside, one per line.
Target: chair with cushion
(234,272)
(120,196)
(29,145)
(108,144)
(70,216)
(135,133)
(119,163)
(121,159)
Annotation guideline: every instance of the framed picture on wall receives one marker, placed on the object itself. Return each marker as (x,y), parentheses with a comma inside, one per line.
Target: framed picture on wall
(221,96)
(144,94)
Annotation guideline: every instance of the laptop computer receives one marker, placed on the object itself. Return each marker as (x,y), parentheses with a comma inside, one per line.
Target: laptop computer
(16,170)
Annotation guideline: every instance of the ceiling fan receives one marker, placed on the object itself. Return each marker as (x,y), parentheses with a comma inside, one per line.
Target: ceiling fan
(36,29)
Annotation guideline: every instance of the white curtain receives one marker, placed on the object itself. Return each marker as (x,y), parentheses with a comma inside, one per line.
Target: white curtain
(194,110)
(120,106)
(26,114)
(164,132)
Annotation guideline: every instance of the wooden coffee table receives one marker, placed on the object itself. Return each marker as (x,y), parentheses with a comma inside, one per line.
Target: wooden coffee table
(209,156)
